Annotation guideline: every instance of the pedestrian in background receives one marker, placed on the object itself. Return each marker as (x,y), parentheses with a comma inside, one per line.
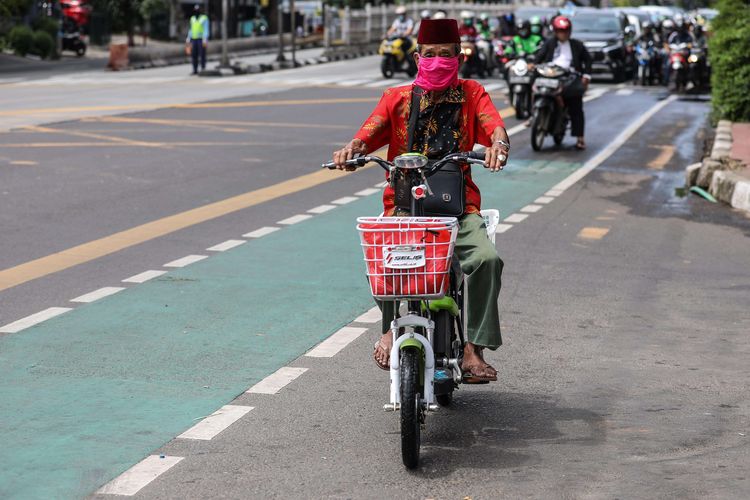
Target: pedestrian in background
(197,39)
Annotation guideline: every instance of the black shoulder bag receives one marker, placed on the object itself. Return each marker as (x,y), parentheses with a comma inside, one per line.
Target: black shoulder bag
(447,185)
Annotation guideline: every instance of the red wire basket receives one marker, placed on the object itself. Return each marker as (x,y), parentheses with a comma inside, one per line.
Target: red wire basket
(408,257)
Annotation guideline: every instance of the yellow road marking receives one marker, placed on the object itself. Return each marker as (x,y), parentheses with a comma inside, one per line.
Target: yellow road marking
(204,105)
(602,217)
(23,162)
(665,154)
(198,123)
(86,252)
(90,135)
(593,233)
(161,144)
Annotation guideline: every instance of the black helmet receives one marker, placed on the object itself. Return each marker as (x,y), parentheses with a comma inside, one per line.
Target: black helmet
(197,8)
(524,24)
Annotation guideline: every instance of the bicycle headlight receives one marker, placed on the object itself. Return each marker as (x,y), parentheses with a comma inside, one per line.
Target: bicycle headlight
(410,161)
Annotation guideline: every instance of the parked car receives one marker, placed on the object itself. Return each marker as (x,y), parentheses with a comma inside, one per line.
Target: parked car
(606,34)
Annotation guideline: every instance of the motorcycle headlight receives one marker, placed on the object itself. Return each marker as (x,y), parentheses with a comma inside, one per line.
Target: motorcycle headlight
(693,58)
(520,67)
(467,52)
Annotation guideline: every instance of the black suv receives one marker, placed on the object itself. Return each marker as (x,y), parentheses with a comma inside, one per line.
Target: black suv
(607,35)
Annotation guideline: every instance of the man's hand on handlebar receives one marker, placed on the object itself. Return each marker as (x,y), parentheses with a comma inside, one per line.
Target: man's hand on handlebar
(354,148)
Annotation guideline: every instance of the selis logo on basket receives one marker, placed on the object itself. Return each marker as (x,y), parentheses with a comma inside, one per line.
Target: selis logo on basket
(403,257)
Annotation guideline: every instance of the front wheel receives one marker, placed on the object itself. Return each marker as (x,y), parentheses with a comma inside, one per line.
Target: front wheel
(537,129)
(411,407)
(386,67)
(520,105)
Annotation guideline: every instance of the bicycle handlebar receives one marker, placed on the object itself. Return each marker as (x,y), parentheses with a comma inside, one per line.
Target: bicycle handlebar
(471,157)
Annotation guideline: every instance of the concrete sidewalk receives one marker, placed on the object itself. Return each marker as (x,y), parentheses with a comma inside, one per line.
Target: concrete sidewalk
(726,172)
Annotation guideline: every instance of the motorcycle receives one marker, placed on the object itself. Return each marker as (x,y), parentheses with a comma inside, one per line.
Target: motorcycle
(395,59)
(485,47)
(411,259)
(678,62)
(646,55)
(697,68)
(475,61)
(520,79)
(501,54)
(73,42)
(549,116)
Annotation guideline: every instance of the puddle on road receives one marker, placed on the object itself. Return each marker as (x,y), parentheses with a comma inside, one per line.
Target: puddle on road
(680,192)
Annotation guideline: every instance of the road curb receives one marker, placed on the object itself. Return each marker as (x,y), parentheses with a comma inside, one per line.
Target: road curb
(249,69)
(717,172)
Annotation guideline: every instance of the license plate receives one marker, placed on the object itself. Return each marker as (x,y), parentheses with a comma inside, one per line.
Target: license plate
(403,257)
(520,79)
(549,83)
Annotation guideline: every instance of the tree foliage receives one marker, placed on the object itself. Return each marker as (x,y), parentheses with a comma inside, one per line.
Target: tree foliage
(729,49)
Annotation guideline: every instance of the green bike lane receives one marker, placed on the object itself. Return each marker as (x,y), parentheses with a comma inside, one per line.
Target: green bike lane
(86,395)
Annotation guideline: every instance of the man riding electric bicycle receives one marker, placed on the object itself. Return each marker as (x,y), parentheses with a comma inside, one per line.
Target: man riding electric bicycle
(453,115)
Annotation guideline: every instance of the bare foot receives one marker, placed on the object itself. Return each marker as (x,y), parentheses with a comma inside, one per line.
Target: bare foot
(382,352)
(475,368)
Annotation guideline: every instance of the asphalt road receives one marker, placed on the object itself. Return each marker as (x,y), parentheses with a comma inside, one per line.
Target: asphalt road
(624,306)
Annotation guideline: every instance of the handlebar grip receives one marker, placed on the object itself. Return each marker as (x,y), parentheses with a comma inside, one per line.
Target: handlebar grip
(475,155)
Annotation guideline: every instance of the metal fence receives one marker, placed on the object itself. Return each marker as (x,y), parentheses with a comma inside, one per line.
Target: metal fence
(364,26)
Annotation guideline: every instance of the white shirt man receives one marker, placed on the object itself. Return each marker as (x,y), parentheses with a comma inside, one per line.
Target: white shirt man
(402,27)
(563,56)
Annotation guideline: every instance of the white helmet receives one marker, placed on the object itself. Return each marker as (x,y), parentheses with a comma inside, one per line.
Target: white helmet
(425,14)
(466,14)
(439,15)
(400,10)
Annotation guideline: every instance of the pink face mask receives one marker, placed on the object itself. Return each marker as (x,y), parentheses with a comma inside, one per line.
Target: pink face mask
(437,73)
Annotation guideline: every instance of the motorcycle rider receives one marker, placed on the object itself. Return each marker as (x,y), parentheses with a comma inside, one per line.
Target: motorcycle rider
(507,24)
(425,14)
(536,26)
(569,53)
(525,42)
(402,27)
(453,115)
(467,25)
(650,37)
(682,32)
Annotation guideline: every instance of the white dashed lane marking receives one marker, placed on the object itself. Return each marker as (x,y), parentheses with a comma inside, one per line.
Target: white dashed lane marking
(345,200)
(134,479)
(501,228)
(144,276)
(277,380)
(531,209)
(515,218)
(223,247)
(97,294)
(372,316)
(186,261)
(294,219)
(367,192)
(216,422)
(33,319)
(336,342)
(543,200)
(321,209)
(258,233)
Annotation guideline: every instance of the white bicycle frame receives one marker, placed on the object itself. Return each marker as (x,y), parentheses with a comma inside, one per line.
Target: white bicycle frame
(491,220)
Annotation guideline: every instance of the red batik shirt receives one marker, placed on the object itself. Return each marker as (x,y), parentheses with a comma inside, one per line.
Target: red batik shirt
(388,125)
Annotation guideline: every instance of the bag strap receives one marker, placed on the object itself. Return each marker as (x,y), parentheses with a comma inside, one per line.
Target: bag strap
(416,96)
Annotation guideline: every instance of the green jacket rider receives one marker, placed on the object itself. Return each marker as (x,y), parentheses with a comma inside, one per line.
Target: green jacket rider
(525,42)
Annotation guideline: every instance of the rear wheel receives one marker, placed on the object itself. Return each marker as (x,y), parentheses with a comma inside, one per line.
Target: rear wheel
(411,408)
(411,67)
(386,67)
(537,129)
